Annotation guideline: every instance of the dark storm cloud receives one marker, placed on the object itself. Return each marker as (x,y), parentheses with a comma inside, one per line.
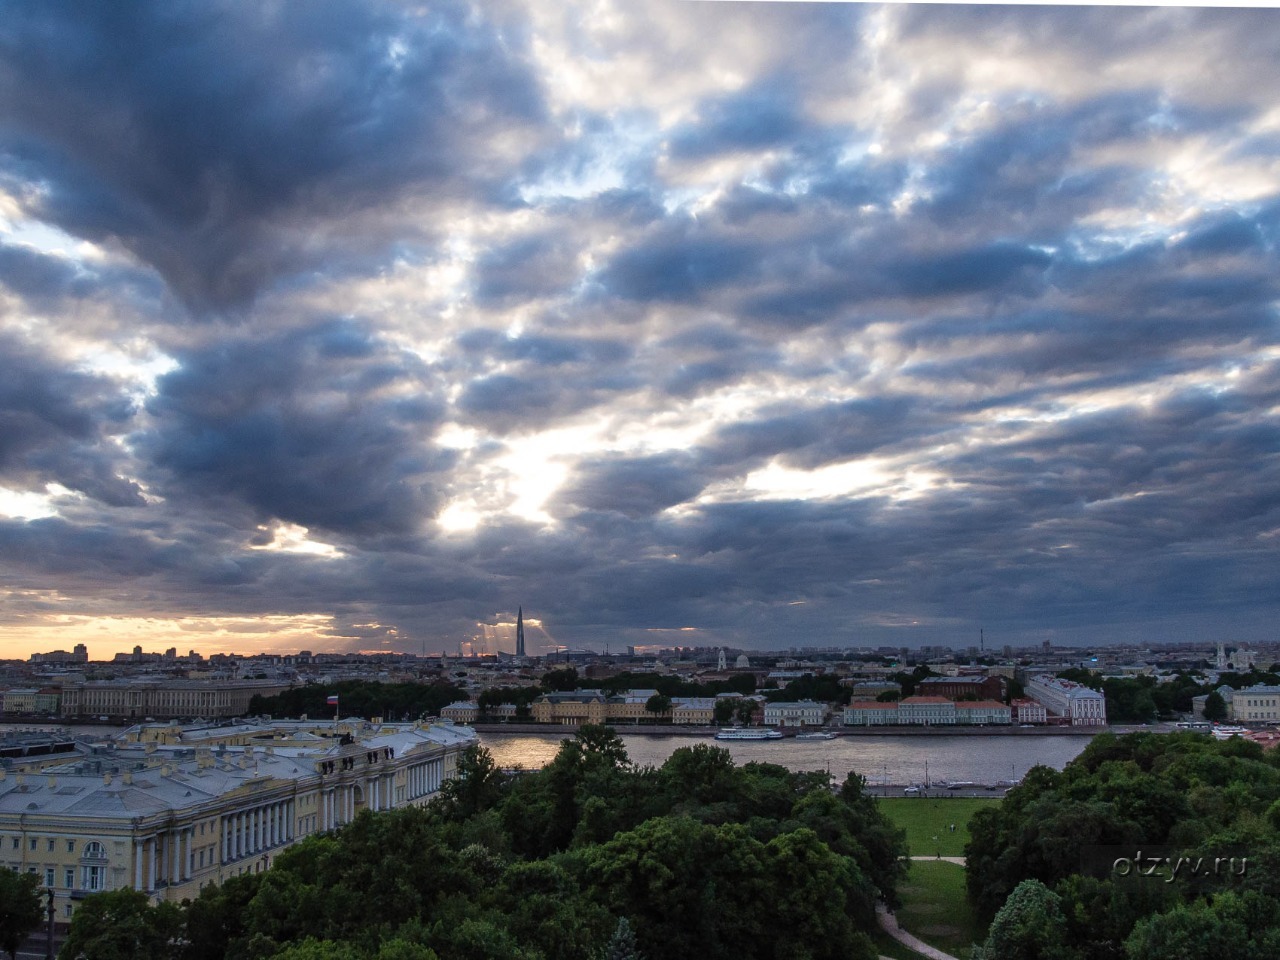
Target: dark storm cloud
(322,427)
(223,143)
(53,426)
(634,486)
(679,262)
(524,270)
(545,376)
(762,116)
(829,433)
(544,350)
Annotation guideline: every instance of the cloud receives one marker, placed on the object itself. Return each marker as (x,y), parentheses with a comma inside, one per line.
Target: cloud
(930,317)
(228,146)
(325,427)
(55,426)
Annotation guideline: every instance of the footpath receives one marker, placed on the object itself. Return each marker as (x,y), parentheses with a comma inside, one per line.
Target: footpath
(889,924)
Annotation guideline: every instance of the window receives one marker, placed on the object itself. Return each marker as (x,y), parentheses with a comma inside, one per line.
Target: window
(48,876)
(51,843)
(69,877)
(71,846)
(91,877)
(66,911)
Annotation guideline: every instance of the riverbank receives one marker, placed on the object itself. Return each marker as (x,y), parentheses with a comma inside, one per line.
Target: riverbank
(671,730)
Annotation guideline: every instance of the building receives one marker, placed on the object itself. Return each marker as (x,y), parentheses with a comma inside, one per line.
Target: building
(927,711)
(1026,710)
(462,711)
(869,713)
(1257,704)
(79,654)
(983,712)
(697,711)
(169,810)
(20,700)
(870,689)
(800,713)
(1075,703)
(629,707)
(573,707)
(163,698)
(965,687)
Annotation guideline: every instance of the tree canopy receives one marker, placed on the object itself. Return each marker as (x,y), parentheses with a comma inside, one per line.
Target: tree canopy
(590,857)
(20,908)
(1146,845)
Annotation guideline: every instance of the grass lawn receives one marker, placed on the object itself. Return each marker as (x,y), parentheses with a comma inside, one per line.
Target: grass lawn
(927,817)
(934,907)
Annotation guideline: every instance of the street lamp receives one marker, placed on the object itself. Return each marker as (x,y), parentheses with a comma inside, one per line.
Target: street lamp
(48,947)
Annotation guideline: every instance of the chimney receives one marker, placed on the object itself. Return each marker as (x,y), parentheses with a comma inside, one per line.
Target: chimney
(106,779)
(127,778)
(53,782)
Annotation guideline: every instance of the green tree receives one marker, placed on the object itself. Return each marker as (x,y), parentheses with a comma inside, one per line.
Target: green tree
(1242,927)
(1215,706)
(123,925)
(562,679)
(20,908)
(622,945)
(723,711)
(1030,926)
(659,704)
(476,787)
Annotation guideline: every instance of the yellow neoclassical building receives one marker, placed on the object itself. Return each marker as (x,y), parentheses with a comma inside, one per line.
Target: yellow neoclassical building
(168,810)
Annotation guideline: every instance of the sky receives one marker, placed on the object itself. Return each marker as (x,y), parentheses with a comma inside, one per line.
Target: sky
(360,325)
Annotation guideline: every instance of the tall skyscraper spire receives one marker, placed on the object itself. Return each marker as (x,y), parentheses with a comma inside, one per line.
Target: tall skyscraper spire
(520,632)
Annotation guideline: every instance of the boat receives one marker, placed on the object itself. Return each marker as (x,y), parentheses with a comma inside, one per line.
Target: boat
(749,733)
(816,735)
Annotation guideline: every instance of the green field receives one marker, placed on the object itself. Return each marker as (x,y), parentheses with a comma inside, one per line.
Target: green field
(925,819)
(935,909)
(934,906)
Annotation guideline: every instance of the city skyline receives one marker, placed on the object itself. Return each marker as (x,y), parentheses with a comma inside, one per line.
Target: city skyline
(365,326)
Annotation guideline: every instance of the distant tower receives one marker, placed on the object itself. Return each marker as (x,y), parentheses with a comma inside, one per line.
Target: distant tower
(520,632)
(1221,662)
(720,664)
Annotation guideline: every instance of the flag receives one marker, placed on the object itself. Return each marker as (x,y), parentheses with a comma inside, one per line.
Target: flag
(332,701)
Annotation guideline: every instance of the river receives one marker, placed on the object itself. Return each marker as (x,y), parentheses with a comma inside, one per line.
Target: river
(894,760)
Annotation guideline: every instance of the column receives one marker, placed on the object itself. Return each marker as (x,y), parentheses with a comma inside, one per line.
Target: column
(137,864)
(151,864)
(173,841)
